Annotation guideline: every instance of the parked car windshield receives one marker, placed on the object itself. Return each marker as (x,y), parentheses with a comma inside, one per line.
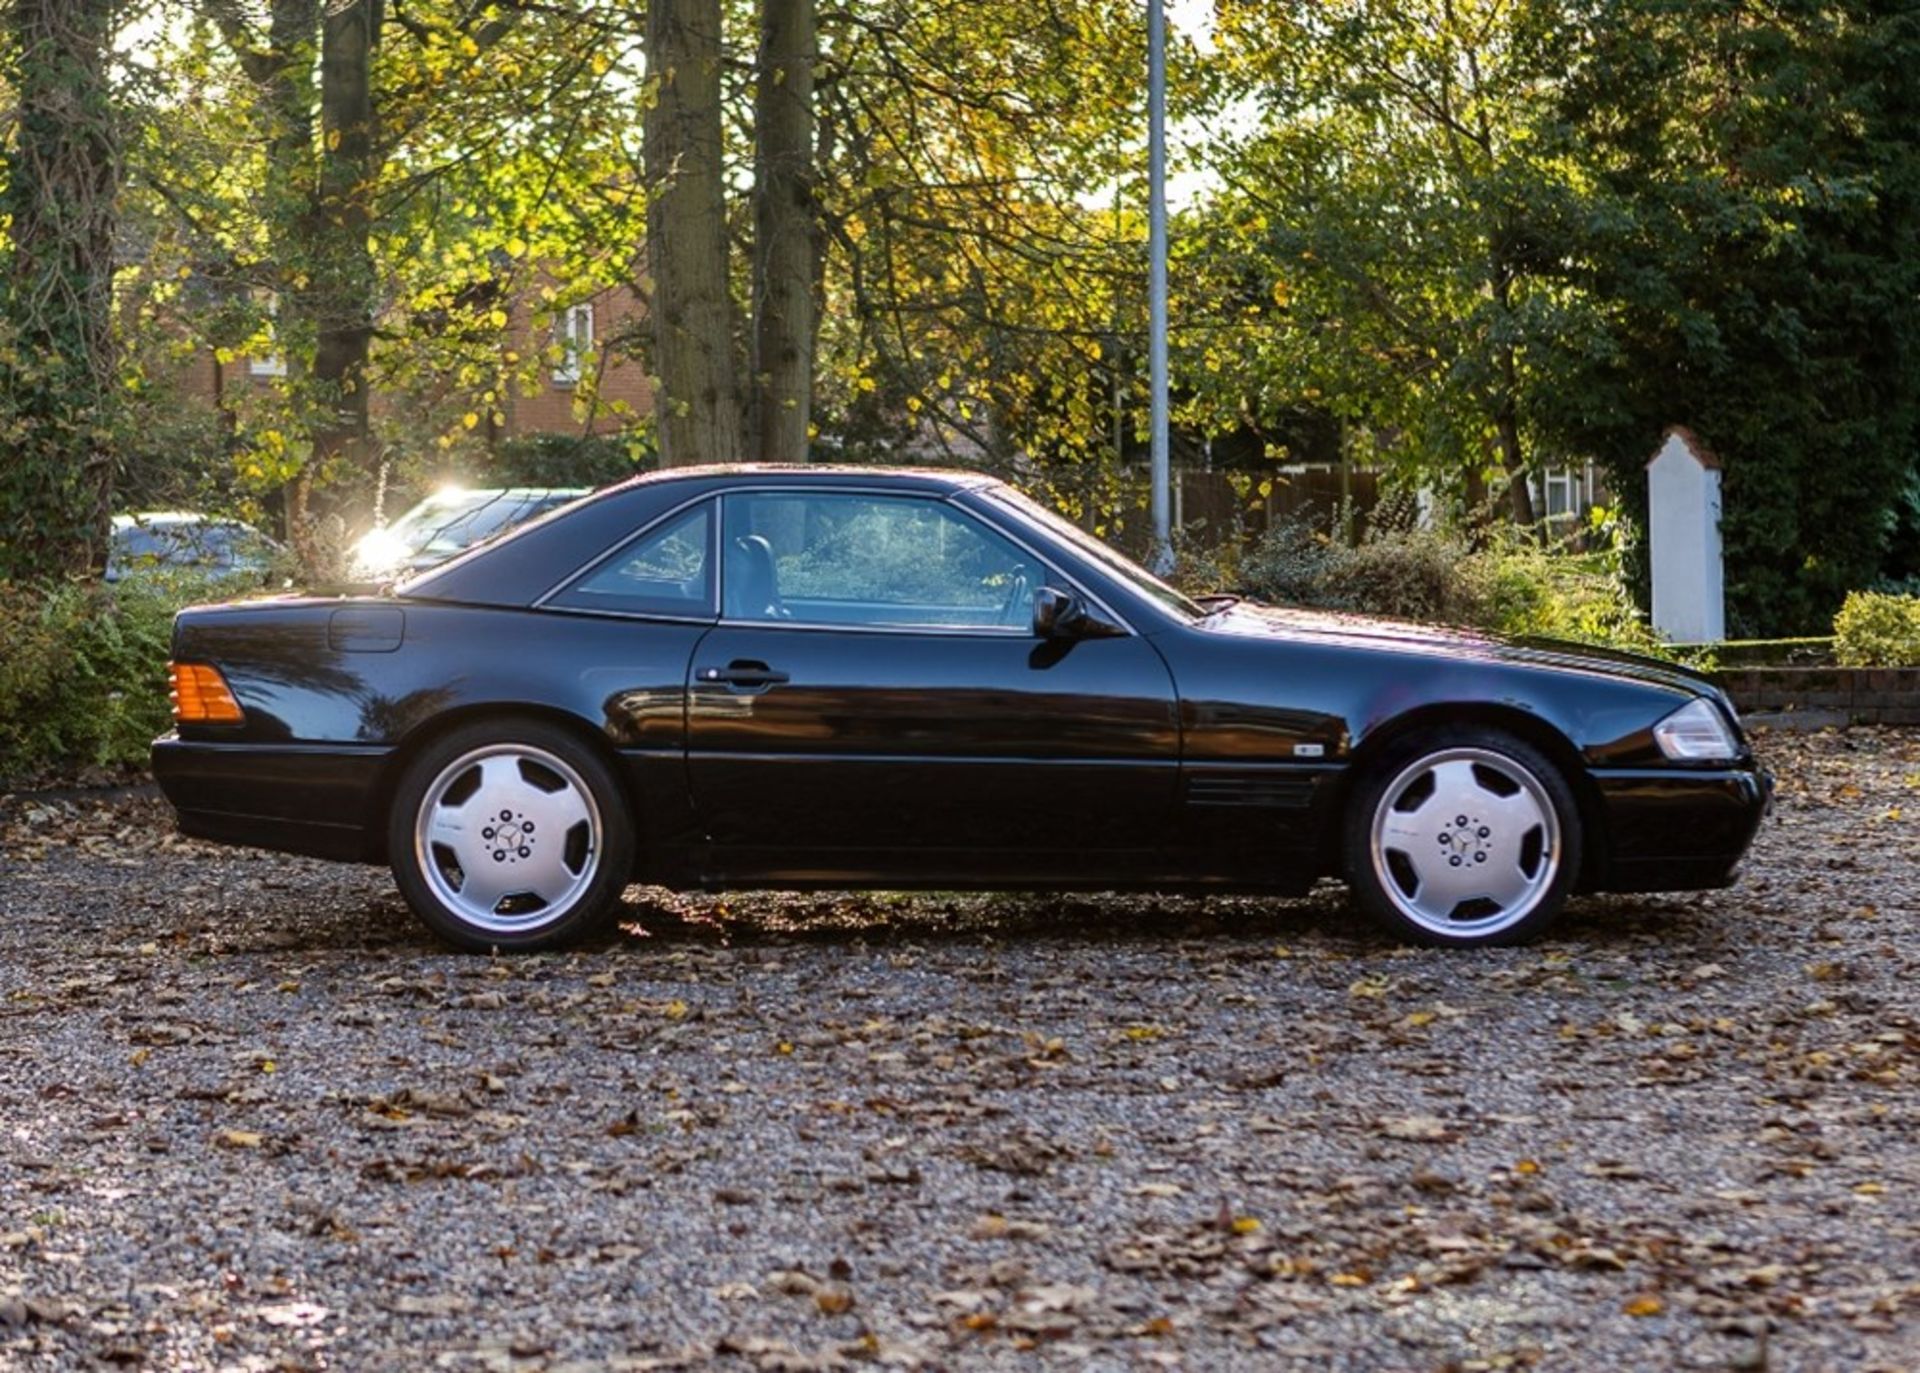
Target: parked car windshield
(1109,560)
(450,527)
(143,543)
(451,522)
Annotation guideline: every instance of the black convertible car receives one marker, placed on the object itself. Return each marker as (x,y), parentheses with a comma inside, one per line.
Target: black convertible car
(808,677)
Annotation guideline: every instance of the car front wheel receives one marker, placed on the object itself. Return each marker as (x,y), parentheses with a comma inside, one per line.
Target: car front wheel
(510,835)
(1463,838)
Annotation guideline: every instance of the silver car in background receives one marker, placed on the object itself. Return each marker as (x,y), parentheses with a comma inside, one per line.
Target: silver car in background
(162,543)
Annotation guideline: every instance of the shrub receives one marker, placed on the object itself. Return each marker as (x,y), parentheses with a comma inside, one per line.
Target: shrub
(1401,571)
(1511,584)
(1531,590)
(1877,630)
(83,681)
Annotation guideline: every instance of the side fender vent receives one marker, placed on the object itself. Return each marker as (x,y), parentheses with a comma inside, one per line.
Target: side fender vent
(1266,790)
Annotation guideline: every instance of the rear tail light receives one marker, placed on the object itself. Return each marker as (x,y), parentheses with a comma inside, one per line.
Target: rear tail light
(201,695)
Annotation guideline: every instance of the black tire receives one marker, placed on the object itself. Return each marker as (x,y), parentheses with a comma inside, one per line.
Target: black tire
(1423,860)
(535,777)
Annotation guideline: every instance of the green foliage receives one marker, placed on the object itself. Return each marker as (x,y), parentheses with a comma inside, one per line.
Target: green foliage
(56,270)
(1470,229)
(897,554)
(983,288)
(1456,238)
(561,460)
(1531,590)
(1875,630)
(498,188)
(1401,572)
(1373,257)
(84,678)
(1750,241)
(1511,585)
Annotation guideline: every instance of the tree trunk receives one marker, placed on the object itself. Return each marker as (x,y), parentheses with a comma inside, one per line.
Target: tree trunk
(785,244)
(283,71)
(343,279)
(1506,404)
(1512,458)
(698,402)
(57,378)
(318,210)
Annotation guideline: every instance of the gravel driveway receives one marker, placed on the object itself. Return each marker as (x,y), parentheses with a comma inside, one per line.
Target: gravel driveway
(250,1117)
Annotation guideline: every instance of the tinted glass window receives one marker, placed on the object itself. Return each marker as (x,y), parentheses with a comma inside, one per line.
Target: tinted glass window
(845,558)
(1097,552)
(665,571)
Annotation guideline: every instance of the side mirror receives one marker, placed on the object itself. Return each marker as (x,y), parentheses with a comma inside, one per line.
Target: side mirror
(1058,614)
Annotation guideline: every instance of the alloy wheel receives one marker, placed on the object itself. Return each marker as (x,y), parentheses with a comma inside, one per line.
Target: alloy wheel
(508,837)
(1465,842)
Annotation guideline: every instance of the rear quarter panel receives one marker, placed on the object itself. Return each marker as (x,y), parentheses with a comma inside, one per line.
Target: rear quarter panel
(332,713)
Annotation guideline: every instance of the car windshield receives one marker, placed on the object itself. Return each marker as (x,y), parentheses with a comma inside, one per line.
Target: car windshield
(451,524)
(175,542)
(469,527)
(1109,560)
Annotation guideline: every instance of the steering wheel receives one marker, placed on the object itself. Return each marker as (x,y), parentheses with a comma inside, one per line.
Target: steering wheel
(1017,608)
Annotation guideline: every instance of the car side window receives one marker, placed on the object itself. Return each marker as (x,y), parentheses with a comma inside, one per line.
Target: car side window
(848,558)
(665,571)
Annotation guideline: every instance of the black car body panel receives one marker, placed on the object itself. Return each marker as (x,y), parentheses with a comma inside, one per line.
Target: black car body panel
(1173,749)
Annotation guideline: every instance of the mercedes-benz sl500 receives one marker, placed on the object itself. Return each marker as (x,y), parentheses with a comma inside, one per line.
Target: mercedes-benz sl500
(815,677)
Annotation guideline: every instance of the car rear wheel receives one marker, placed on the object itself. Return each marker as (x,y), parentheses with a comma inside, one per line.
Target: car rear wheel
(510,835)
(1463,838)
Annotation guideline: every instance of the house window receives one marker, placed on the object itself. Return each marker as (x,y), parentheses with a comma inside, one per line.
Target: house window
(273,363)
(1563,492)
(573,335)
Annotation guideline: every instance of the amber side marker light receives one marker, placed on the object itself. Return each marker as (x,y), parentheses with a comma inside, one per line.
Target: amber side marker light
(201,695)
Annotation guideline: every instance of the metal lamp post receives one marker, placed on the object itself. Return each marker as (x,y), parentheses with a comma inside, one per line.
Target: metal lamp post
(1162,476)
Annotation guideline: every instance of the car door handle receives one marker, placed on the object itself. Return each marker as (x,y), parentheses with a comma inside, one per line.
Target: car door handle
(742,673)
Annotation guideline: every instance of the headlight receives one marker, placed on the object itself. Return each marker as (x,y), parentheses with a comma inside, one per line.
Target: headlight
(1694,732)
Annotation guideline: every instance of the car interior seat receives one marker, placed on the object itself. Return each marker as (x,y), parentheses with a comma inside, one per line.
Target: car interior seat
(753,591)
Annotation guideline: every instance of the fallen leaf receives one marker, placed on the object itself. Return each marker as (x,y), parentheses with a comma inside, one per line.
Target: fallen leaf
(1423,1129)
(833,1298)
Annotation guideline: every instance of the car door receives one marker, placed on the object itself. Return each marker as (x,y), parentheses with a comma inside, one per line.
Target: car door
(874,704)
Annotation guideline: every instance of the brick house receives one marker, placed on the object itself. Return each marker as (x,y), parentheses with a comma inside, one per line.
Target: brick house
(598,359)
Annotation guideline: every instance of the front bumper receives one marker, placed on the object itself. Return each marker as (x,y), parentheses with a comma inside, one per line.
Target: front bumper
(326,801)
(1674,829)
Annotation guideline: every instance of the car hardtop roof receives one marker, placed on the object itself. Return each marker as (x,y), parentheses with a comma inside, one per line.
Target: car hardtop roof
(943,480)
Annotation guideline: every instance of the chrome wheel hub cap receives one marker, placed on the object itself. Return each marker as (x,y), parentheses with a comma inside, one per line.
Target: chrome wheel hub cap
(508,837)
(1465,842)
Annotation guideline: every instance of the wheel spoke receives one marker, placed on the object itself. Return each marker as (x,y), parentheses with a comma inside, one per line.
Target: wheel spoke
(1448,887)
(1503,881)
(449,825)
(484,886)
(1515,814)
(1402,831)
(500,781)
(547,877)
(562,810)
(1454,785)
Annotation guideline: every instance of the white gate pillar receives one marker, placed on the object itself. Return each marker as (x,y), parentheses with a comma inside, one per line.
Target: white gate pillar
(1683,531)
